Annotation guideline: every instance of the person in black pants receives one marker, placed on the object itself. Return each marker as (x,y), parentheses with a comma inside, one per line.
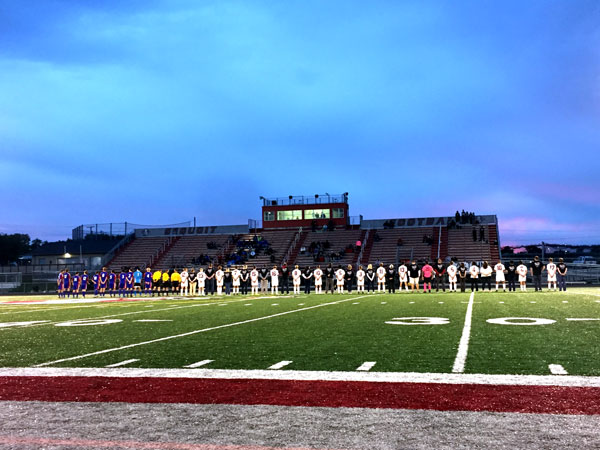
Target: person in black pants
(307,275)
(391,279)
(227,280)
(284,279)
(511,276)
(349,278)
(440,273)
(210,280)
(561,275)
(462,277)
(329,281)
(370,278)
(537,267)
(245,280)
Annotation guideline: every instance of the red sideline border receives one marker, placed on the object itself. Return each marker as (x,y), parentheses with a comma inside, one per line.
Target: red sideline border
(353,394)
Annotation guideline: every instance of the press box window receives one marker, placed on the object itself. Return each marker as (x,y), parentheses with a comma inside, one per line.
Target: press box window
(290,215)
(269,216)
(316,214)
(338,213)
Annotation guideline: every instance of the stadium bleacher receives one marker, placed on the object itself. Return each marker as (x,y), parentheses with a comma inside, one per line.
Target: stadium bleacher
(306,247)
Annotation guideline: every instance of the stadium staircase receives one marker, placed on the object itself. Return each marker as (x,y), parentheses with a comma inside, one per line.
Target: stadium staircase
(494,239)
(363,234)
(367,247)
(385,246)
(138,252)
(440,243)
(160,256)
(186,248)
(295,247)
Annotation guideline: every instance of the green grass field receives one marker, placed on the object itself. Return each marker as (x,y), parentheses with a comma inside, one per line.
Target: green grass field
(314,332)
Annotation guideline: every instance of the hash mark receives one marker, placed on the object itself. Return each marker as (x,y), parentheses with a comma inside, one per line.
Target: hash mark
(557,369)
(366,366)
(122,363)
(280,364)
(200,363)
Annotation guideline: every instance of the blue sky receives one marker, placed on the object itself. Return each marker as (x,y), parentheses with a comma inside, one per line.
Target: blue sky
(160,111)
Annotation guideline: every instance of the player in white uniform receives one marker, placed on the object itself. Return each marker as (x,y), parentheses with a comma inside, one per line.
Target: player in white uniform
(274,280)
(184,284)
(296,278)
(522,271)
(380,278)
(474,272)
(499,269)
(236,277)
(201,277)
(339,277)
(360,280)
(219,275)
(452,278)
(551,269)
(254,281)
(318,274)
(403,276)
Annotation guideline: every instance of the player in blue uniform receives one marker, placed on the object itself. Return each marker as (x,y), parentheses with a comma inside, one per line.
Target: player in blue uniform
(122,277)
(59,283)
(137,280)
(96,281)
(66,286)
(112,280)
(76,285)
(148,281)
(129,282)
(103,281)
(84,283)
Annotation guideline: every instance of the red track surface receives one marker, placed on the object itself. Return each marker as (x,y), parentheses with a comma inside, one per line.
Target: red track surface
(435,396)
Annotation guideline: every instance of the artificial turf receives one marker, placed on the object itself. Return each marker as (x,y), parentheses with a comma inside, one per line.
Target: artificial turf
(315,332)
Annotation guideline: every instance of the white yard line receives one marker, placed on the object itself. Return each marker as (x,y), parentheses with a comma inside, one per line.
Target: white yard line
(122,363)
(143,311)
(557,369)
(190,333)
(366,366)
(299,375)
(463,346)
(200,363)
(280,365)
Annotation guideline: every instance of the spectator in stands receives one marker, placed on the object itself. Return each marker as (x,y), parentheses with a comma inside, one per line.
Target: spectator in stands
(474,235)
(481,234)
(331,225)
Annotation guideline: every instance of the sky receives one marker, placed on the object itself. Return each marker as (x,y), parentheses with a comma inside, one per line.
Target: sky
(158,111)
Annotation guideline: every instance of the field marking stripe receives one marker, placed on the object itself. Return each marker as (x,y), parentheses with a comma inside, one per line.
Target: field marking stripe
(200,363)
(557,369)
(280,365)
(366,366)
(301,375)
(190,333)
(142,311)
(122,363)
(463,346)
